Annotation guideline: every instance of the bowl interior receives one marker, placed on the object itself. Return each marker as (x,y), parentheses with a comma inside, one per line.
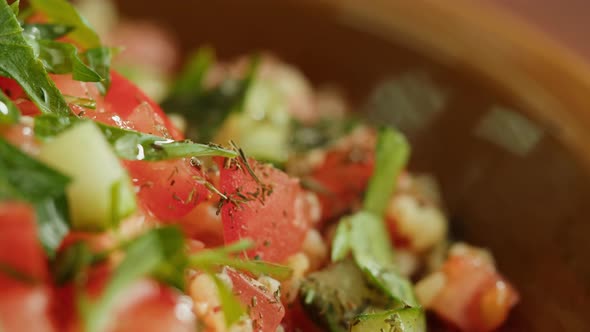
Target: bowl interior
(509,181)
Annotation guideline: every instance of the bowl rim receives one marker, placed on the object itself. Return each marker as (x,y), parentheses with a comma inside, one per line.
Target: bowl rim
(549,81)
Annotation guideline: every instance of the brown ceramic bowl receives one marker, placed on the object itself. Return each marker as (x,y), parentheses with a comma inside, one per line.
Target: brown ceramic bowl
(517,186)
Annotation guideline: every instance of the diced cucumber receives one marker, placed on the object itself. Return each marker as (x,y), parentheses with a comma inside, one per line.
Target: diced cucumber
(263,127)
(100,193)
(400,320)
(335,295)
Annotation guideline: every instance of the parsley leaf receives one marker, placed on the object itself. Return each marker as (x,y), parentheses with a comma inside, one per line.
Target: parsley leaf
(373,254)
(15,6)
(172,247)
(97,56)
(8,112)
(391,156)
(99,59)
(46,30)
(208,259)
(62,58)
(133,145)
(29,178)
(62,12)
(18,61)
(52,222)
(206,109)
(24,178)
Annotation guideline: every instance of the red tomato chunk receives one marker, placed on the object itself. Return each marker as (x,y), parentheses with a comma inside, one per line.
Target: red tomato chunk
(274,215)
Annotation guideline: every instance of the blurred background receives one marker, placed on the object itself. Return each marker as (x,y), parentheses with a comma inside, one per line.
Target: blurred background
(565,20)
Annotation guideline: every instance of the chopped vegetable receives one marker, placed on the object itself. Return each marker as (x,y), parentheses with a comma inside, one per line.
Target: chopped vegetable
(62,58)
(100,195)
(18,61)
(207,259)
(372,252)
(406,320)
(392,156)
(24,178)
(265,205)
(336,294)
(99,59)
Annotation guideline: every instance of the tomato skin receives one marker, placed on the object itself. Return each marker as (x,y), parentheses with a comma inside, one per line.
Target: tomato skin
(277,223)
(20,249)
(124,97)
(266,309)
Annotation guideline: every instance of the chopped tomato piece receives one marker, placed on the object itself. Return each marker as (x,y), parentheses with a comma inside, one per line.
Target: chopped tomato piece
(344,175)
(168,189)
(474,297)
(20,252)
(273,213)
(266,309)
(126,100)
(19,248)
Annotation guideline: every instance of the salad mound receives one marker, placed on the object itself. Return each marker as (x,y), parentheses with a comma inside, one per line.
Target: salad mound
(247,201)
